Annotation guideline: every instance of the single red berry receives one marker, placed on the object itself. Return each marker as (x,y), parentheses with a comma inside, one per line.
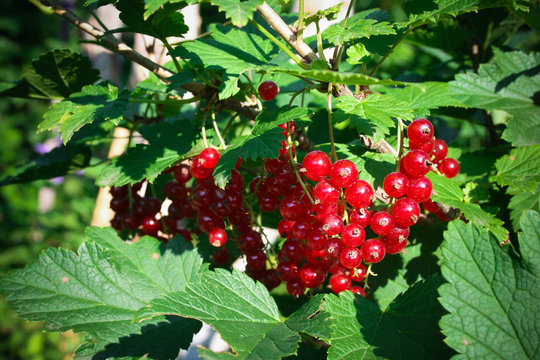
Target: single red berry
(209,158)
(359,273)
(343,173)
(117,223)
(324,210)
(382,223)
(442,216)
(198,171)
(372,251)
(406,212)
(285,228)
(295,288)
(256,261)
(361,217)
(291,208)
(151,226)
(449,167)
(292,251)
(315,256)
(287,271)
(430,206)
(395,184)
(395,241)
(420,131)
(317,239)
(250,242)
(119,205)
(416,163)
(419,189)
(119,191)
(326,193)
(426,147)
(181,173)
(333,248)
(270,279)
(440,150)
(312,275)
(353,235)
(302,227)
(268,90)
(339,283)
(359,194)
(350,257)
(268,202)
(175,191)
(358,290)
(291,126)
(217,237)
(317,165)
(332,225)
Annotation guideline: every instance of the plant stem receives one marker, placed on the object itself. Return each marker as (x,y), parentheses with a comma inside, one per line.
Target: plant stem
(330,127)
(319,42)
(300,18)
(280,45)
(400,134)
(293,164)
(339,49)
(390,50)
(175,61)
(203,130)
(216,128)
(166,101)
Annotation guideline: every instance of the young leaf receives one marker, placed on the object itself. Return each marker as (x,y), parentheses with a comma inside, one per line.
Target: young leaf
(449,193)
(58,162)
(264,141)
(55,75)
(357,29)
(94,103)
(424,11)
(492,300)
(404,330)
(520,170)
(167,144)
(98,290)
(510,84)
(373,115)
(240,12)
(240,309)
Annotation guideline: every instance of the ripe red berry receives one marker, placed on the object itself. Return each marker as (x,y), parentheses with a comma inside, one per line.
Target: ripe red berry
(343,173)
(312,275)
(406,212)
(150,226)
(302,227)
(395,184)
(382,223)
(359,194)
(291,207)
(217,237)
(287,271)
(317,239)
(285,228)
(292,251)
(419,189)
(372,251)
(295,288)
(440,150)
(396,240)
(268,90)
(332,225)
(430,206)
(250,242)
(350,257)
(339,283)
(333,248)
(317,165)
(181,173)
(256,261)
(426,147)
(420,131)
(222,256)
(268,202)
(361,217)
(324,210)
(416,163)
(353,235)
(198,171)
(326,193)
(209,158)
(449,167)
(359,273)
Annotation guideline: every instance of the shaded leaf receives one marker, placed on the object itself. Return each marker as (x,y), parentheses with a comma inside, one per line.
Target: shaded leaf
(311,320)
(424,11)
(520,169)
(240,12)
(529,241)
(356,29)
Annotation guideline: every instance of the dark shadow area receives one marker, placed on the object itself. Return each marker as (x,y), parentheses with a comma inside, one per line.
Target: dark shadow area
(501,84)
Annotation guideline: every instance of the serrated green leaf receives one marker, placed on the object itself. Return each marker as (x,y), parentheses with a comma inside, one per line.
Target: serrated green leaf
(54,75)
(358,54)
(94,103)
(448,192)
(345,78)
(357,29)
(167,144)
(424,11)
(241,310)
(522,202)
(58,162)
(492,300)
(529,241)
(330,13)
(240,12)
(98,290)
(404,330)
(264,141)
(373,115)
(520,169)
(509,84)
(151,6)
(311,320)
(446,34)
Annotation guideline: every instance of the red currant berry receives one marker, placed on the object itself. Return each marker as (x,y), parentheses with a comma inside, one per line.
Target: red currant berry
(419,189)
(396,240)
(250,242)
(430,206)
(256,261)
(382,223)
(268,90)
(287,271)
(151,226)
(209,158)
(291,208)
(339,283)
(292,251)
(440,150)
(217,237)
(326,193)
(198,171)
(449,167)
(317,165)
(116,222)
(119,205)
(361,217)
(333,248)
(416,163)
(359,273)
(372,251)
(291,126)
(222,256)
(324,210)
(359,194)
(426,147)
(119,191)
(395,184)
(343,173)
(358,290)
(295,288)
(332,225)
(268,202)
(302,227)
(315,256)
(312,275)
(420,131)
(406,212)
(131,222)
(270,279)
(353,235)
(350,257)
(317,239)
(285,228)
(181,173)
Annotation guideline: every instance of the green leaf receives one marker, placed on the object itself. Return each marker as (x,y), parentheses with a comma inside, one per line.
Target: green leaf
(264,141)
(151,6)
(311,320)
(233,51)
(98,290)
(529,241)
(58,162)
(240,12)
(167,144)
(404,330)
(55,75)
(424,11)
(509,84)
(520,170)
(358,54)
(521,202)
(94,103)
(446,34)
(345,78)
(240,309)
(448,192)
(329,14)
(432,95)
(492,300)
(356,29)
(373,115)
